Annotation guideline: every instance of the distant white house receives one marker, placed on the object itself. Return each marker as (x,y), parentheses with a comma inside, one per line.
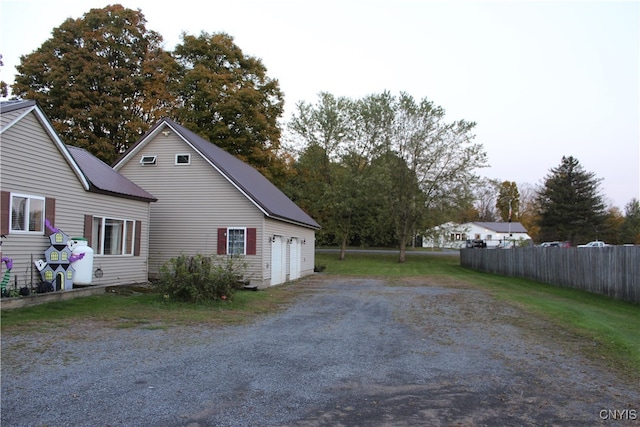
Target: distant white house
(494,234)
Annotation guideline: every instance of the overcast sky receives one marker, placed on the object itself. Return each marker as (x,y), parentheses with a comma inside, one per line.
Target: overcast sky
(542,79)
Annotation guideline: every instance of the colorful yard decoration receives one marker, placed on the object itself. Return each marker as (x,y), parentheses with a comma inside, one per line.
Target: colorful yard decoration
(56,268)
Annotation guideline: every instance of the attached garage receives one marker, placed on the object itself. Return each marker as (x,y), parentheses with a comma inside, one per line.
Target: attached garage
(211,202)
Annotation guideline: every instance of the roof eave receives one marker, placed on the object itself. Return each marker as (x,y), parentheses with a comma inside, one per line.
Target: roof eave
(290,221)
(94,189)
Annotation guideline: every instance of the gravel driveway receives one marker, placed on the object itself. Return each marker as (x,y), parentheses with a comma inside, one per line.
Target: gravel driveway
(353,352)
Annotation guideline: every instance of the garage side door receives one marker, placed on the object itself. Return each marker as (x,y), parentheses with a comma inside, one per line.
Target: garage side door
(278,260)
(295,259)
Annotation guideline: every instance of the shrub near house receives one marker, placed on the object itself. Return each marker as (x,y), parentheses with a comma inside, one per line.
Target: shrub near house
(200,278)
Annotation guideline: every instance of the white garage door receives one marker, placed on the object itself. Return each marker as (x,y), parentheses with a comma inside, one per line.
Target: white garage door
(278,260)
(295,259)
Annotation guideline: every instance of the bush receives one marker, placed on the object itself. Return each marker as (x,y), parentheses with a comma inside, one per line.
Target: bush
(201,278)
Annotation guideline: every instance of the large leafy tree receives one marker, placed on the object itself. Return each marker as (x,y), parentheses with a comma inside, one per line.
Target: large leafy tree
(528,214)
(4,88)
(436,168)
(228,98)
(101,79)
(390,166)
(508,202)
(325,125)
(630,229)
(340,136)
(571,206)
(485,192)
(612,226)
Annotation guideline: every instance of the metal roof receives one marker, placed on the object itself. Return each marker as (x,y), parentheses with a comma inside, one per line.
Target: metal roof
(255,186)
(503,227)
(8,106)
(103,179)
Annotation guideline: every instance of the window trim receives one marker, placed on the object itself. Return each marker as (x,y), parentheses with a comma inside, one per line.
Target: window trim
(29,197)
(188,157)
(99,243)
(151,160)
(244,243)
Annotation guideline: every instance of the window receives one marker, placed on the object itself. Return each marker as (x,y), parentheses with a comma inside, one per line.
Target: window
(183,159)
(236,241)
(111,236)
(27,214)
(148,160)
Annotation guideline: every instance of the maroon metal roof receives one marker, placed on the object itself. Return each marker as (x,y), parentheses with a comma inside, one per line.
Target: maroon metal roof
(103,179)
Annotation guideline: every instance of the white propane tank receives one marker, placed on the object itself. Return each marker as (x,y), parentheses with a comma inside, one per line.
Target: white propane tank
(84,266)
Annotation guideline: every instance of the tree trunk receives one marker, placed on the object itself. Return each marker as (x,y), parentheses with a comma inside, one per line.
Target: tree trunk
(403,250)
(343,249)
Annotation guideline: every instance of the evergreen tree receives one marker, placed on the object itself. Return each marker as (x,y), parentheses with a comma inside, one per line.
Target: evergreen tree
(571,206)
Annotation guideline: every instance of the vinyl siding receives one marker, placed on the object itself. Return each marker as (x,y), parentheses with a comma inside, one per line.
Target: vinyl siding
(9,117)
(193,202)
(33,165)
(287,230)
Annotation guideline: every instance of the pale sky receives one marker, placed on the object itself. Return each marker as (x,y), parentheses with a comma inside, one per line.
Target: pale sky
(541,79)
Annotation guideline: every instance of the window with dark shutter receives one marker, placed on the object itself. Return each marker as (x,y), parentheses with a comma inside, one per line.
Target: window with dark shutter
(88,229)
(138,240)
(5,200)
(222,241)
(251,241)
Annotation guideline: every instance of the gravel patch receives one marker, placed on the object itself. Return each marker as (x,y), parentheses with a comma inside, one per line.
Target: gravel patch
(352,352)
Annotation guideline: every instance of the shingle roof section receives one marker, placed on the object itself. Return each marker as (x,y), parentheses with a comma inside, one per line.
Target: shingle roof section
(104,179)
(503,227)
(266,195)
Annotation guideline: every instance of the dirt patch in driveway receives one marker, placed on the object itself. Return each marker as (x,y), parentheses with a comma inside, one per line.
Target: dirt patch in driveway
(348,352)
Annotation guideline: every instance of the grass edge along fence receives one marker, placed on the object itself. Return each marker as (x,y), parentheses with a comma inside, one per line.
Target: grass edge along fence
(612,271)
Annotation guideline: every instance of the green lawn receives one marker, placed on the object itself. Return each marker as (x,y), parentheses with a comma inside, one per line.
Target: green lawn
(124,309)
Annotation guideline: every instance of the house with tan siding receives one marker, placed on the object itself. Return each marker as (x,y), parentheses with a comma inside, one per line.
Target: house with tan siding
(210,202)
(47,185)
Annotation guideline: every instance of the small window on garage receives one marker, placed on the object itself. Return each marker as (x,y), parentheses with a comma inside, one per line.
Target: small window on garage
(148,160)
(183,159)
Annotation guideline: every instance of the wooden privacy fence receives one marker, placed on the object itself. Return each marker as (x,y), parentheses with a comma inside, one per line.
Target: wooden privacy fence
(613,271)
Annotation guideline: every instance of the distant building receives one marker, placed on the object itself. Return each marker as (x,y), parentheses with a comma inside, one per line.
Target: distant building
(494,234)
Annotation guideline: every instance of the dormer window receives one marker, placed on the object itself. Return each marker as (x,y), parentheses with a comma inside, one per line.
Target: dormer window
(148,160)
(183,159)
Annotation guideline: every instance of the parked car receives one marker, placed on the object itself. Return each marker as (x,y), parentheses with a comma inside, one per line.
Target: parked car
(594,244)
(506,244)
(555,245)
(476,243)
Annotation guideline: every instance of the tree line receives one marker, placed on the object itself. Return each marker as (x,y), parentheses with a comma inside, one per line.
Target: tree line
(376,171)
